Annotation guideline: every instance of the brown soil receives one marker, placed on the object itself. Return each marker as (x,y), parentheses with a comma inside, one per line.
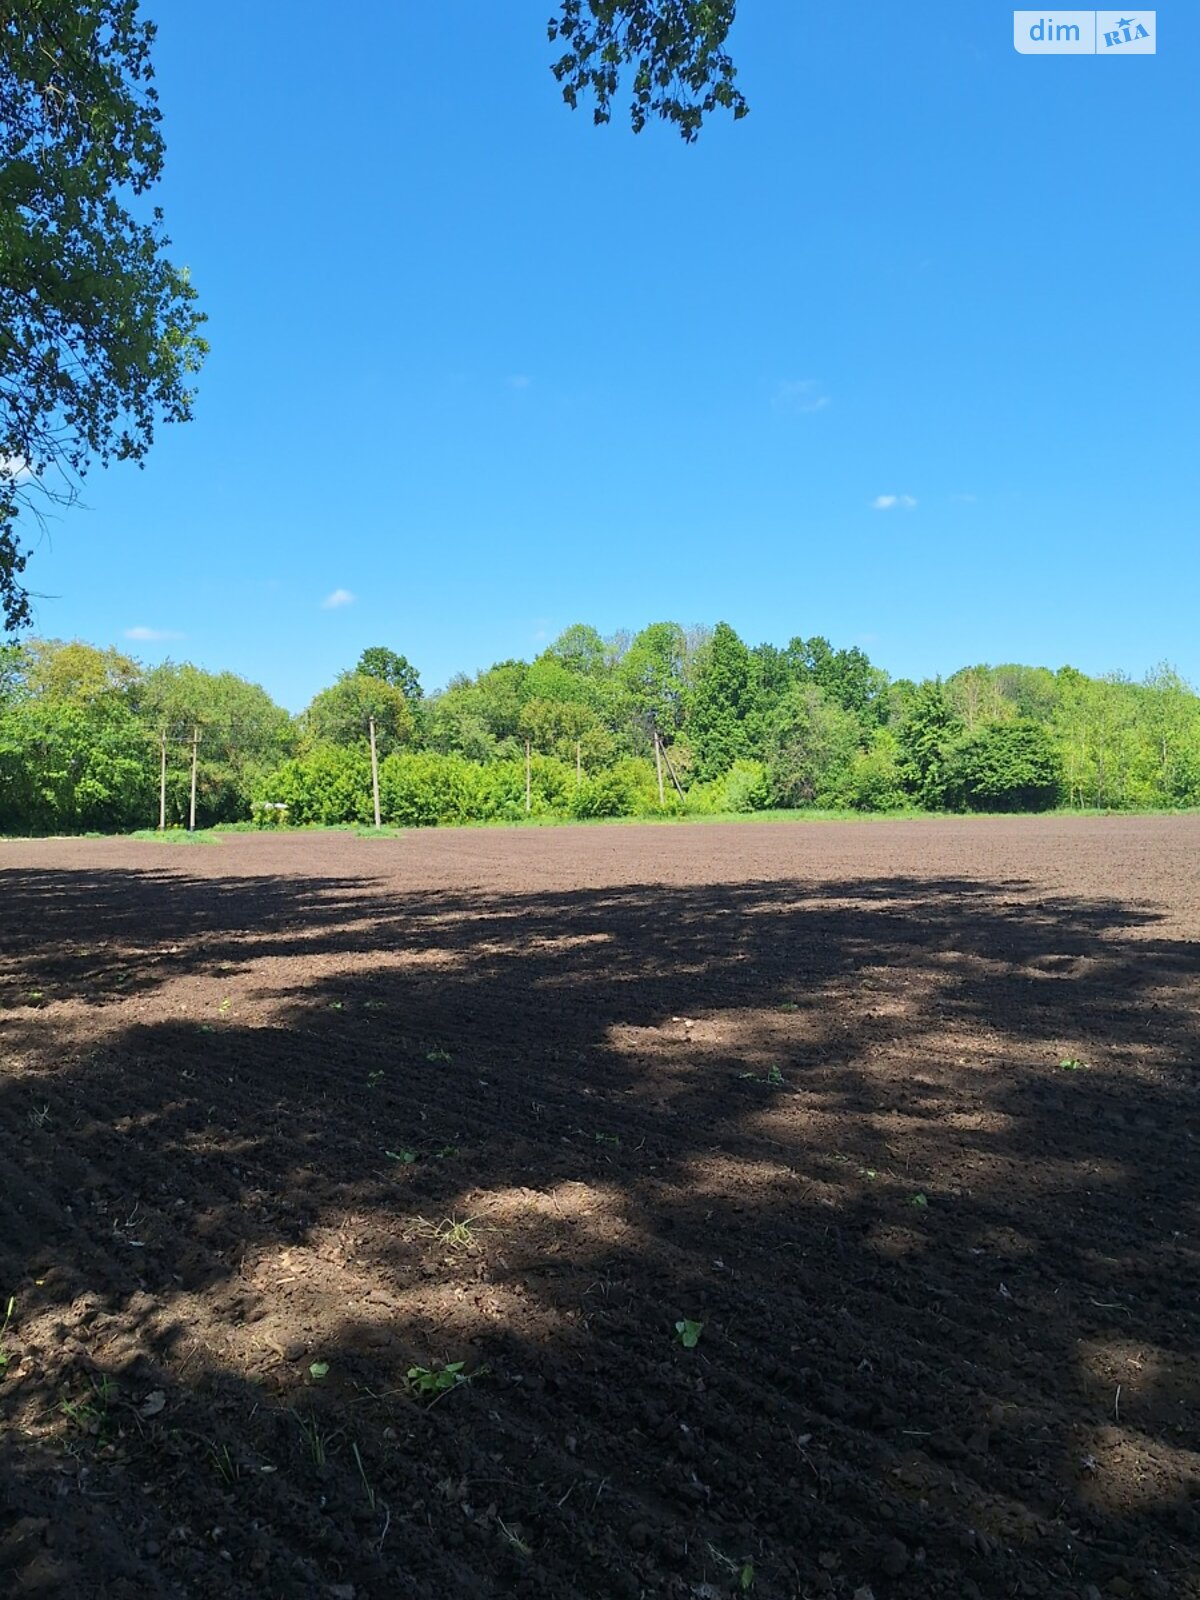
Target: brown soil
(800,1084)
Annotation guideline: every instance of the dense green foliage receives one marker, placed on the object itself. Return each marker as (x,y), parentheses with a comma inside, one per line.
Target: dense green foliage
(742,729)
(81,739)
(99,333)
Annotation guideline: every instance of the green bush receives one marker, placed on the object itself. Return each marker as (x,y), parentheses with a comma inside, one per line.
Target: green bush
(1006,766)
(268,814)
(425,789)
(742,789)
(70,768)
(329,785)
(502,789)
(640,777)
(604,794)
(872,781)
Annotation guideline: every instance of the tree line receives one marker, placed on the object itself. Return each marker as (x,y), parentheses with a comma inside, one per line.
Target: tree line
(666,721)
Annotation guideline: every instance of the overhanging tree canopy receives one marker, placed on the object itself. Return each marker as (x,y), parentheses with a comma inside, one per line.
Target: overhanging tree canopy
(675,50)
(99,335)
(99,330)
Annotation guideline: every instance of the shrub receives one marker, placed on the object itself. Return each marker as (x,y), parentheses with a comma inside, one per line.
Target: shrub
(1006,766)
(67,767)
(742,789)
(424,789)
(604,794)
(329,785)
(502,789)
(872,781)
(269,813)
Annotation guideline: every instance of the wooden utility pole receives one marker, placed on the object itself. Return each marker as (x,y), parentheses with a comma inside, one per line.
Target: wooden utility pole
(662,798)
(374,770)
(528,777)
(162,781)
(671,770)
(195,760)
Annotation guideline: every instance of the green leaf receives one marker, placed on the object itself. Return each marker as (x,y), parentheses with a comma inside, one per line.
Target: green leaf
(319,1370)
(689,1333)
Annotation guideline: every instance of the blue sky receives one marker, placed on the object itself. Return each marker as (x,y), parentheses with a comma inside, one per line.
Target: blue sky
(908,357)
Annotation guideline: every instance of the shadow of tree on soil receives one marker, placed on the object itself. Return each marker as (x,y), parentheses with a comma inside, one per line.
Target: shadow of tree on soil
(272,1142)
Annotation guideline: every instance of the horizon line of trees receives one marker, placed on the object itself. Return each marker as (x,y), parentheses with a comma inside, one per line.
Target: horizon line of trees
(573,734)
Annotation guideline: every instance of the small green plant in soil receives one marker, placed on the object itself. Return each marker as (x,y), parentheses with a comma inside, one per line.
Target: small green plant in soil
(1072,1064)
(5,1352)
(224,1465)
(919,1200)
(688,1332)
(362,1472)
(742,1572)
(773,1077)
(91,1414)
(317,1442)
(513,1539)
(458,1233)
(430,1383)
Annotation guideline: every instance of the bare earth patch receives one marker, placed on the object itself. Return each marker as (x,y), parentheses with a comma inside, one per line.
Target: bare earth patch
(286,1118)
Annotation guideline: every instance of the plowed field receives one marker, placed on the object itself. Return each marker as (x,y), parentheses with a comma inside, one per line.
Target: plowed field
(902,1115)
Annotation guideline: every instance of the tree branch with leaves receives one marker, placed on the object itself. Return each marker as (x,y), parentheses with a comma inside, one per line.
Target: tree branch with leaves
(99,330)
(674,50)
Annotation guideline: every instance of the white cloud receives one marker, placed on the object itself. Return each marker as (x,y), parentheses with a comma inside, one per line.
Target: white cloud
(335,601)
(800,394)
(519,381)
(16,468)
(889,502)
(148,635)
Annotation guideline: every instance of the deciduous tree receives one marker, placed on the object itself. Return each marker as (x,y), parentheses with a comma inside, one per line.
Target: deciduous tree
(99,330)
(720,703)
(342,714)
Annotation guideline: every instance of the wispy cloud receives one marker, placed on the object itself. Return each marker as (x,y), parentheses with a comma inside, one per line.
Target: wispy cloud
(336,600)
(152,635)
(800,394)
(519,380)
(893,502)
